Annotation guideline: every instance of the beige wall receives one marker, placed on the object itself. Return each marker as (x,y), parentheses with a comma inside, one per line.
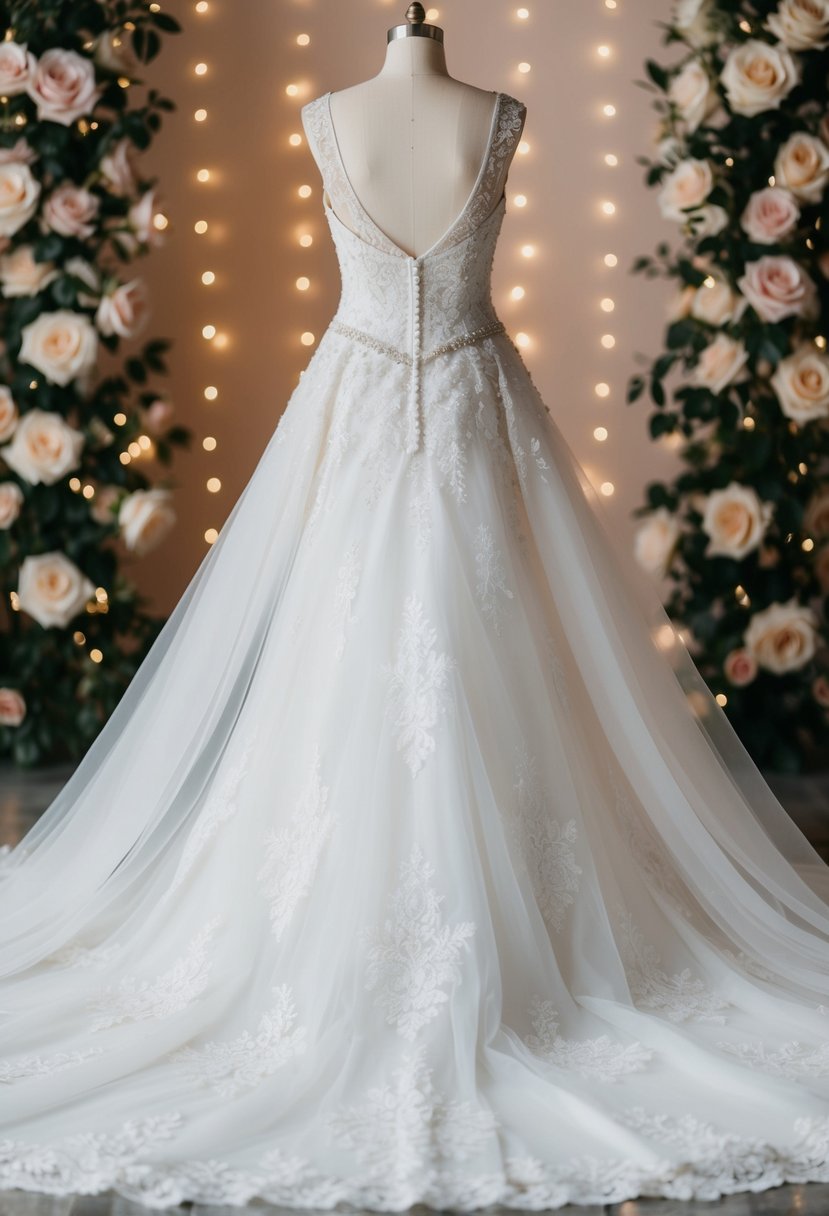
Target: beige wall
(255,216)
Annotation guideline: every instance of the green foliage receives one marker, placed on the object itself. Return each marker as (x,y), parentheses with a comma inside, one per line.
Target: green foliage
(744,433)
(71,674)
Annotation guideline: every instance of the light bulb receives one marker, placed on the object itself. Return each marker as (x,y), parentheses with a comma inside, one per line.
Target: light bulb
(305,191)
(520,200)
(200,226)
(211,536)
(522,339)
(295,140)
(524,68)
(211,392)
(608,341)
(292,90)
(610,259)
(214,485)
(600,434)
(528,251)
(308,339)
(612,160)
(306,239)
(303,39)
(608,305)
(209,332)
(603,51)
(208,277)
(209,443)
(609,111)
(523,147)
(203,175)
(602,390)
(608,208)
(200,69)
(200,115)
(522,13)
(518,293)
(608,488)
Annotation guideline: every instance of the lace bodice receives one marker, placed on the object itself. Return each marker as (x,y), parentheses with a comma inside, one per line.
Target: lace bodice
(416,308)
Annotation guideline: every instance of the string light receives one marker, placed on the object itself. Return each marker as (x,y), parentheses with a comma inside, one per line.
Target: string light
(211,393)
(209,443)
(602,390)
(608,341)
(608,305)
(611,260)
(518,293)
(609,111)
(211,536)
(600,434)
(520,200)
(523,147)
(608,208)
(303,283)
(524,68)
(202,6)
(303,39)
(528,251)
(306,240)
(522,339)
(214,485)
(208,332)
(200,227)
(292,90)
(522,13)
(308,339)
(603,52)
(305,191)
(608,488)
(200,115)
(295,140)
(611,160)
(200,69)
(208,277)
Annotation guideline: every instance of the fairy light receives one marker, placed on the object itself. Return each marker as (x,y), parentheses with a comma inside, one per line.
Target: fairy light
(208,332)
(292,90)
(96,655)
(202,6)
(807,545)
(200,227)
(208,277)
(211,536)
(303,283)
(305,191)
(211,393)
(608,207)
(520,200)
(303,39)
(611,260)
(600,434)
(518,293)
(209,443)
(523,147)
(603,52)
(522,14)
(295,140)
(200,115)
(608,341)
(522,339)
(306,240)
(608,305)
(609,110)
(308,339)
(611,160)
(214,485)
(721,699)
(608,489)
(602,390)
(203,175)
(524,68)
(200,69)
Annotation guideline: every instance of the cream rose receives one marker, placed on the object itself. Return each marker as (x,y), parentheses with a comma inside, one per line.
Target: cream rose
(740,668)
(802,25)
(693,19)
(692,93)
(802,166)
(52,590)
(63,345)
(113,51)
(680,305)
(820,691)
(721,363)
(716,302)
(62,85)
(757,77)
(8,413)
(19,196)
(21,153)
(686,187)
(71,211)
(141,218)
(816,516)
(157,415)
(801,383)
(44,448)
(772,214)
(11,500)
(708,220)
(12,707)
(778,287)
(125,310)
(14,68)
(21,275)
(783,638)
(655,541)
(102,508)
(145,518)
(116,168)
(735,521)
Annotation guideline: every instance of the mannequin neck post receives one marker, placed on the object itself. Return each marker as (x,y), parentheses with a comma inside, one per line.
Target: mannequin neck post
(414,57)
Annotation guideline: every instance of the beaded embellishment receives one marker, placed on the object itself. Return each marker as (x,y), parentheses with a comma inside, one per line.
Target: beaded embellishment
(401,356)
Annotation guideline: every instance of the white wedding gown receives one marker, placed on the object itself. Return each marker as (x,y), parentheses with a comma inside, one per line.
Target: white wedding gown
(417,864)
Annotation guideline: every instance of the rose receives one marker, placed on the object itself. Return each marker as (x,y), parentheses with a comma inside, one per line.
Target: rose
(157,415)
(709,220)
(12,707)
(740,668)
(656,540)
(716,302)
(783,638)
(79,268)
(62,84)
(102,509)
(692,94)
(11,500)
(669,151)
(735,521)
(71,211)
(8,413)
(145,518)
(20,153)
(816,515)
(801,383)
(14,68)
(44,449)
(822,568)
(141,219)
(116,168)
(771,215)
(721,363)
(52,590)
(802,166)
(63,345)
(19,195)
(757,77)
(113,51)
(686,187)
(681,304)
(692,19)
(803,25)
(820,691)
(778,287)
(21,275)
(125,310)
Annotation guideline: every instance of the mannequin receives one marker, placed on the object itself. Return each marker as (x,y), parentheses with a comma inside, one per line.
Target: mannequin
(412,138)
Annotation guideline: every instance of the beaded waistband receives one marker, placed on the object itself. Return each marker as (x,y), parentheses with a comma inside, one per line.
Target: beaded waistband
(401,356)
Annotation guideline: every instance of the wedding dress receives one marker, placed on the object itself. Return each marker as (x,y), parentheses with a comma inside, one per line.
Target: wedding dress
(418,864)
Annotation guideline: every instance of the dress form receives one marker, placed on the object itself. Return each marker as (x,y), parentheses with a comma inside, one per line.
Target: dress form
(412,139)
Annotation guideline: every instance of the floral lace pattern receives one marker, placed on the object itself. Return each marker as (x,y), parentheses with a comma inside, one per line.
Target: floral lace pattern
(293,854)
(414,956)
(491,586)
(679,997)
(220,806)
(345,593)
(244,1062)
(24,1067)
(418,680)
(134,999)
(793,1060)
(601,1059)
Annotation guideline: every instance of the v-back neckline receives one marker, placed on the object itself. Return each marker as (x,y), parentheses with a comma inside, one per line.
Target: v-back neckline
(398,249)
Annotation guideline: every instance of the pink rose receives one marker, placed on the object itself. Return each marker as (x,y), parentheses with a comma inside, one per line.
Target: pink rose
(12,707)
(157,415)
(104,503)
(820,691)
(778,287)
(771,215)
(14,68)
(116,168)
(124,311)
(11,500)
(71,211)
(62,84)
(142,219)
(740,668)
(21,154)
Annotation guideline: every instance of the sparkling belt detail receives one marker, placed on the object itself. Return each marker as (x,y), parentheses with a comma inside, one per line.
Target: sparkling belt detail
(402,356)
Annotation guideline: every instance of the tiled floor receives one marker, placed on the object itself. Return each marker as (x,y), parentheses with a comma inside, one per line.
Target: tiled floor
(24,795)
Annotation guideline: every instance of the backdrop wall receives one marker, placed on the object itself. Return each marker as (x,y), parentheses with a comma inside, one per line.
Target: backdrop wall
(228,164)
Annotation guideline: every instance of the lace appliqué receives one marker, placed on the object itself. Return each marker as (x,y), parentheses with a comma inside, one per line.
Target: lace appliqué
(491,586)
(220,806)
(600,1059)
(406,1131)
(292,855)
(414,957)
(25,1067)
(348,580)
(647,849)
(135,1000)
(85,958)
(244,1062)
(793,1060)
(417,685)
(547,846)
(678,997)
(558,672)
